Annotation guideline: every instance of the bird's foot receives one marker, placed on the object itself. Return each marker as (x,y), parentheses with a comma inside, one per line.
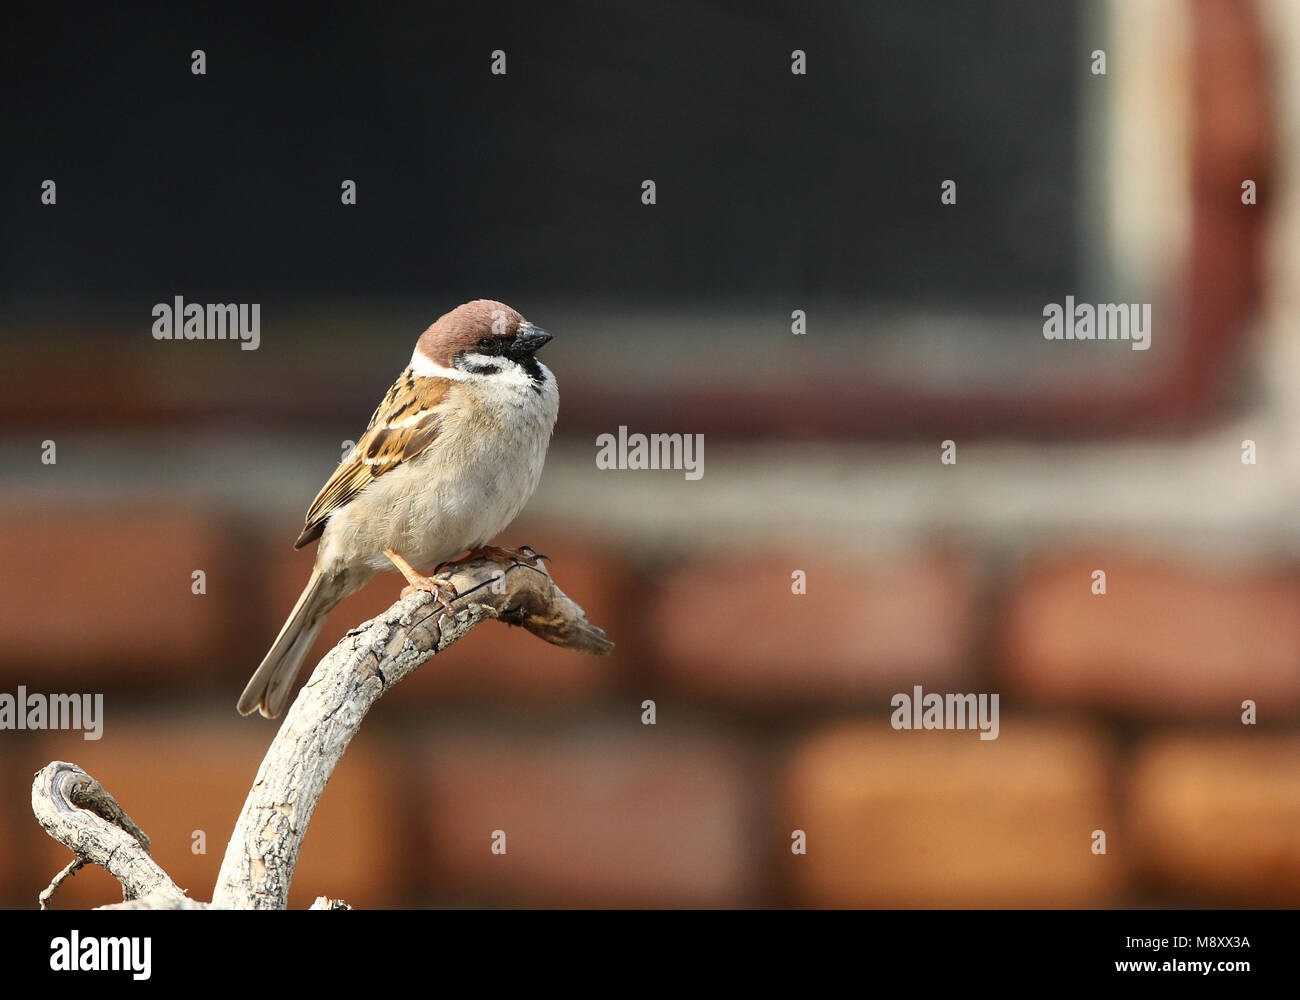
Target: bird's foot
(524,554)
(443,590)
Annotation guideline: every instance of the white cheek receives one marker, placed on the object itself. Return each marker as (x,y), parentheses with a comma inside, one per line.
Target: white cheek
(477,360)
(504,377)
(422,367)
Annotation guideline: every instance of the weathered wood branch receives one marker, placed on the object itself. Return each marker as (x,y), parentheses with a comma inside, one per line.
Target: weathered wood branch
(263,851)
(78,812)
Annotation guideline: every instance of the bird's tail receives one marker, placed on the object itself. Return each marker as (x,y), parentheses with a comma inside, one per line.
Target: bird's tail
(270,686)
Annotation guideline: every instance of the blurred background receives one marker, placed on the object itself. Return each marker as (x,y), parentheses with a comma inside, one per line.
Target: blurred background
(776,192)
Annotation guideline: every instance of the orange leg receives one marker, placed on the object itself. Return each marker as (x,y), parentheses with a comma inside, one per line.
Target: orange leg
(440,589)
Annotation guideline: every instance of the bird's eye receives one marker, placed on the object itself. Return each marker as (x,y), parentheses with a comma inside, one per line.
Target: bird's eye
(487,345)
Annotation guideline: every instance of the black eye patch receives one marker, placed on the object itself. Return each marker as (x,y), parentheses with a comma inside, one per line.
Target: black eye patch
(490,346)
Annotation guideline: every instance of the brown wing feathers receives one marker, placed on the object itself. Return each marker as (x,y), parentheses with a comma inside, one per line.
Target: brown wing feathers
(402,426)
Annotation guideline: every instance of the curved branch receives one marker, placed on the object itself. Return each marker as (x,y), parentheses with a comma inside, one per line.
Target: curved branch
(263,851)
(77,811)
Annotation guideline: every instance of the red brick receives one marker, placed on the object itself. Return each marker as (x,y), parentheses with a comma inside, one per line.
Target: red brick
(1216,817)
(107,592)
(495,660)
(943,819)
(616,815)
(729,627)
(1168,638)
(192,773)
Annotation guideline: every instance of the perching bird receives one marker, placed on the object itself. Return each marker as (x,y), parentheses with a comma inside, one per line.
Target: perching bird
(451,456)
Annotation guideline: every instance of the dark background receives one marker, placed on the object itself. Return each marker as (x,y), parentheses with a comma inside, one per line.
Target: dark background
(227,185)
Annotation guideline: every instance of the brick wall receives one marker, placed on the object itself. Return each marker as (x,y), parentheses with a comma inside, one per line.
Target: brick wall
(1119,713)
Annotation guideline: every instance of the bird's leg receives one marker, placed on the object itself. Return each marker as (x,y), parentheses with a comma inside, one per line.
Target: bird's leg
(440,589)
(524,554)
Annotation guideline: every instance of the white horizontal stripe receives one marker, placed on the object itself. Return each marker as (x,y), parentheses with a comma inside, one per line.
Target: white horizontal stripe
(422,367)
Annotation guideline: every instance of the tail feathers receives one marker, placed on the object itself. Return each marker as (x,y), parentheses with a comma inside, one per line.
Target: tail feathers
(270,686)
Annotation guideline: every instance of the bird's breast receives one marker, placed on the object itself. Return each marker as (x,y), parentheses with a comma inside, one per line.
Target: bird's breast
(460,492)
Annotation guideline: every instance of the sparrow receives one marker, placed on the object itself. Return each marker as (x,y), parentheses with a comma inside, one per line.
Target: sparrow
(451,456)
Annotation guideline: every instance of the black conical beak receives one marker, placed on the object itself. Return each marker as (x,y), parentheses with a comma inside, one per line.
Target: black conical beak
(530,338)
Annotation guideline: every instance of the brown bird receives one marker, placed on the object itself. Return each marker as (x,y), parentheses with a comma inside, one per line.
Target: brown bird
(451,456)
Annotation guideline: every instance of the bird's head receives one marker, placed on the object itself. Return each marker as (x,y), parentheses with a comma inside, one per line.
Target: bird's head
(482,338)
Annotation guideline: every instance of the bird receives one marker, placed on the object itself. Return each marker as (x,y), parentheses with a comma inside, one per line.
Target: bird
(450,457)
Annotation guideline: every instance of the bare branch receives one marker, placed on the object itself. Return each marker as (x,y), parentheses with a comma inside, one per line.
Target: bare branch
(263,852)
(325,903)
(70,869)
(76,810)
(158,901)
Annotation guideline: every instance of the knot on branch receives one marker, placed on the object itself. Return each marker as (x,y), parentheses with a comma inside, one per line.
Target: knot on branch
(524,594)
(68,786)
(78,812)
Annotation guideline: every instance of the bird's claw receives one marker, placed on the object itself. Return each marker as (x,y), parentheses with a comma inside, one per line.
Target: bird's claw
(443,591)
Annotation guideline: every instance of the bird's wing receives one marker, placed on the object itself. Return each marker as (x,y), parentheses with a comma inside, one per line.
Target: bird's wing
(403,425)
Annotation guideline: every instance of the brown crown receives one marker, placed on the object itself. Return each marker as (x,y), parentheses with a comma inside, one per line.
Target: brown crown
(463,327)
